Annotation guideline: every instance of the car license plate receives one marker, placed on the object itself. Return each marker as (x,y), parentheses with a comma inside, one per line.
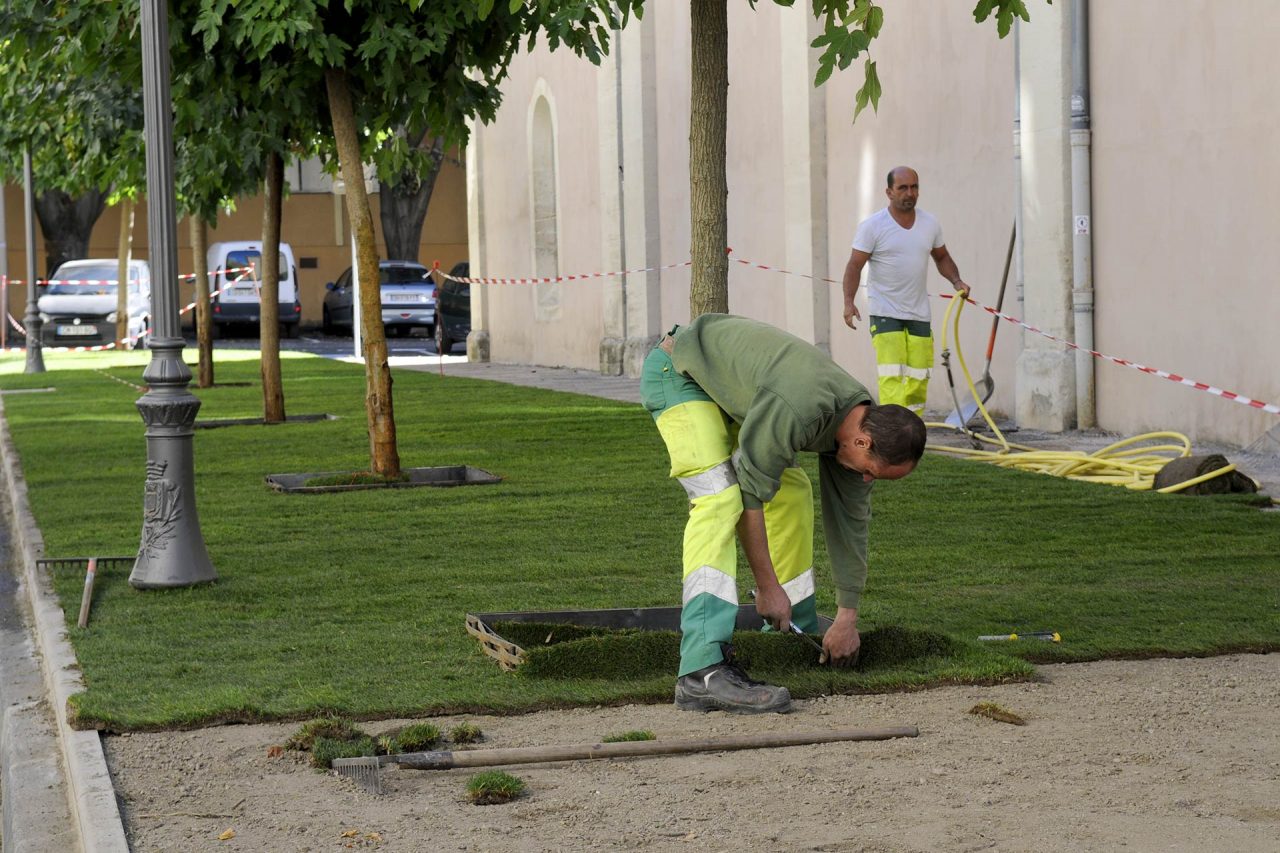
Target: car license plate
(403,297)
(77,331)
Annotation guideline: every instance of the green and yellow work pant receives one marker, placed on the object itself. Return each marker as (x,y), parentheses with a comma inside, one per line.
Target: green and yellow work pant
(701,440)
(904,357)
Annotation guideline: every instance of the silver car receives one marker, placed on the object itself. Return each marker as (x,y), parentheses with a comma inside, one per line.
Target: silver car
(408,299)
(79,305)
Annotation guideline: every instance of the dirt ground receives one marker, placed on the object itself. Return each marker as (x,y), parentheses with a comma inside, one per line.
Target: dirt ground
(1157,755)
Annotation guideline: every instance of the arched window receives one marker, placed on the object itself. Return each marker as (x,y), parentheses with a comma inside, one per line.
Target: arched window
(546,229)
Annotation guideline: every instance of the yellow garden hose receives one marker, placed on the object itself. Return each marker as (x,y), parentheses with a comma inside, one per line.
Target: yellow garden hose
(1118,464)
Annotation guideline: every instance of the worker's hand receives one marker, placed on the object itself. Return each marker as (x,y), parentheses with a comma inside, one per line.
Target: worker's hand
(774,607)
(842,641)
(961,287)
(850,314)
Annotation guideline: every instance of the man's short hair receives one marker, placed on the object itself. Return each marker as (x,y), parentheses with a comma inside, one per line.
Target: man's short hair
(897,433)
(888,180)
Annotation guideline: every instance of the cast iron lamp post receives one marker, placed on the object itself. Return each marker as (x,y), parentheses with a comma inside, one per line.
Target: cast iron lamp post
(35,351)
(172,552)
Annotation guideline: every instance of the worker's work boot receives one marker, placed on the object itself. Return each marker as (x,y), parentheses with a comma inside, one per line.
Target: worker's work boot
(725,687)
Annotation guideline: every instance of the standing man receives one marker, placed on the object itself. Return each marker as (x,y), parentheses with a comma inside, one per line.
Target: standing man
(898,241)
(735,401)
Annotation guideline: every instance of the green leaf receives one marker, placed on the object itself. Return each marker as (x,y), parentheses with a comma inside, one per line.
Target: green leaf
(875,20)
(824,71)
(870,91)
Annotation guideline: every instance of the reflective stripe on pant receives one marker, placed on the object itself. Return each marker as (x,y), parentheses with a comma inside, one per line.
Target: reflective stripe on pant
(788,521)
(904,357)
(700,440)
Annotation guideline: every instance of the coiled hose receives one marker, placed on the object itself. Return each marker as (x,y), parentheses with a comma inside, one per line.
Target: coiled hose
(1131,462)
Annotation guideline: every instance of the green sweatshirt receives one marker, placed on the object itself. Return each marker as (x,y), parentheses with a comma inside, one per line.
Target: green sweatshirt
(788,396)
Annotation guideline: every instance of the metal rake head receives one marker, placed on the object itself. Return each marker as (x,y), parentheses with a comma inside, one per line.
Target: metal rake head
(365,771)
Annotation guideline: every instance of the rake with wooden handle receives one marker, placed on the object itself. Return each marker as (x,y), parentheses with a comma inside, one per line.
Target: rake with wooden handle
(367,771)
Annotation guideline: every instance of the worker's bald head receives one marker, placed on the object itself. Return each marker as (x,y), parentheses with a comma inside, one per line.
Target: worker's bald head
(901,175)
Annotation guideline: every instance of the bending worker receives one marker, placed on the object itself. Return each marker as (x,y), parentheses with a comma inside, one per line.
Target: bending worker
(735,400)
(898,241)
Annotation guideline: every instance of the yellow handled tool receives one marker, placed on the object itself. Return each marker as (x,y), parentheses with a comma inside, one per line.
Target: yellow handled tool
(1047,636)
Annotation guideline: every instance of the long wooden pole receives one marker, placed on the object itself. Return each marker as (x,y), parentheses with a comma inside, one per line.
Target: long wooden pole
(536,754)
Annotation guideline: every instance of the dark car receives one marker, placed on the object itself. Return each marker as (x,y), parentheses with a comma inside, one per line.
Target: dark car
(408,299)
(453,310)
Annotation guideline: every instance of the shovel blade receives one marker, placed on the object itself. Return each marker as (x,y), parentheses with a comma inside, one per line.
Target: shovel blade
(960,417)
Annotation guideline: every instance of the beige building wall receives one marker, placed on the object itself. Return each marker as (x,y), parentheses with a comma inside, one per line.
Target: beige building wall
(544,323)
(1185,178)
(314,224)
(1181,210)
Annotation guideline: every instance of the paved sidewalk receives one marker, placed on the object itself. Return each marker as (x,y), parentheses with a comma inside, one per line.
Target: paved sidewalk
(575,380)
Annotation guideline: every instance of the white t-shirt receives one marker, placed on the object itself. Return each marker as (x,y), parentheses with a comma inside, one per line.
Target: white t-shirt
(899,263)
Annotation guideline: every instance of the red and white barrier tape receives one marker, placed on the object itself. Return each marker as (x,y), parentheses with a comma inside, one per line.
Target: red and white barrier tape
(1124,362)
(1173,377)
(121,381)
(756,266)
(190,276)
(552,279)
(132,339)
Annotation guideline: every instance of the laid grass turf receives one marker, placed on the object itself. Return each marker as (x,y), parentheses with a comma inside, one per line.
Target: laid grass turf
(354,602)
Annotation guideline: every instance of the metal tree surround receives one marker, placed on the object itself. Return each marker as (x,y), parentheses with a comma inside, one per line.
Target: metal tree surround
(172,552)
(35,352)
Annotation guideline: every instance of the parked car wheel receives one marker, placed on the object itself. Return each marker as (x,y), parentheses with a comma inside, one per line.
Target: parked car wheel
(289,330)
(326,322)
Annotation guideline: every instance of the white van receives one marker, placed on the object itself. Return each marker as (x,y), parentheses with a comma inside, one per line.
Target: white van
(237,297)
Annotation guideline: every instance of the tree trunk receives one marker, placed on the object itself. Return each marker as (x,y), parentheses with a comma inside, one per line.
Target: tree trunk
(269,294)
(404,206)
(708,190)
(66,223)
(383,456)
(123,250)
(204,317)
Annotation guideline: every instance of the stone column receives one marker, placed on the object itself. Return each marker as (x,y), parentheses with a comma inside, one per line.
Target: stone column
(478,337)
(804,201)
(640,216)
(1045,397)
(612,256)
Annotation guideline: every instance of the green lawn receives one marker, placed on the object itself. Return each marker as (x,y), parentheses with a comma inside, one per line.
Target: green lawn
(355,602)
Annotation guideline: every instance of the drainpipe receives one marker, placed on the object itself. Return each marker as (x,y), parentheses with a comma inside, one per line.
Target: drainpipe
(1081,209)
(1018,283)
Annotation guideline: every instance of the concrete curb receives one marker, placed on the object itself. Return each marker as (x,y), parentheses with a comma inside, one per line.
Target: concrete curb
(89,787)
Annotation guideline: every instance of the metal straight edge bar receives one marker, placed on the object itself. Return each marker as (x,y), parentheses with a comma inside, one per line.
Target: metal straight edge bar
(1124,362)
(92,795)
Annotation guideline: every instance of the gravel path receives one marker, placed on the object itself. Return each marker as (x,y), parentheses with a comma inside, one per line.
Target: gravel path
(1160,755)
